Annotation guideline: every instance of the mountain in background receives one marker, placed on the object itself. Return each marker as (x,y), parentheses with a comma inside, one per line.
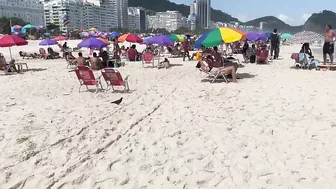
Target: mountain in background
(164,5)
(271,22)
(316,22)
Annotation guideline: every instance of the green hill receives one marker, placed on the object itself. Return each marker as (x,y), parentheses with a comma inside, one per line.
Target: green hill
(271,22)
(164,5)
(317,21)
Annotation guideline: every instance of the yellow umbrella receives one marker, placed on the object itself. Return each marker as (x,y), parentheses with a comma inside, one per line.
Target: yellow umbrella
(92,29)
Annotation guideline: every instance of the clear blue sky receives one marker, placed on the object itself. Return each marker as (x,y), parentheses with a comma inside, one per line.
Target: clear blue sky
(293,12)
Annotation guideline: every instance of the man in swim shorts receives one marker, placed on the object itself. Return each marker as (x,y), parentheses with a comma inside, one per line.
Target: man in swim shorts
(328,47)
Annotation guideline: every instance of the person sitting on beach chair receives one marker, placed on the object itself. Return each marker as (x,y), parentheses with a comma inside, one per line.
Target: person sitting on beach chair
(80,60)
(209,61)
(7,67)
(306,49)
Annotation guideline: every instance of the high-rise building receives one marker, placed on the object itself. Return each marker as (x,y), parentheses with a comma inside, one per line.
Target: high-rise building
(122,10)
(137,19)
(28,10)
(169,20)
(203,12)
(80,14)
(116,13)
(192,16)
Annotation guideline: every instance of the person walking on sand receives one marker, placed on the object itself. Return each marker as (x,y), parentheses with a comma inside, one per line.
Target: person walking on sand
(328,47)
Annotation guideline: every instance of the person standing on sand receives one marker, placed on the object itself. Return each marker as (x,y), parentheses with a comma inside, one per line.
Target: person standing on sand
(275,44)
(328,47)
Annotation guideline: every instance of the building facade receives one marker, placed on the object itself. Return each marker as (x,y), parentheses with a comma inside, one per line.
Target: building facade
(137,19)
(115,12)
(169,20)
(203,12)
(81,14)
(30,11)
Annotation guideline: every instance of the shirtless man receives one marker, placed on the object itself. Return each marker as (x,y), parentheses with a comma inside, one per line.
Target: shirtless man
(328,47)
(95,62)
(81,61)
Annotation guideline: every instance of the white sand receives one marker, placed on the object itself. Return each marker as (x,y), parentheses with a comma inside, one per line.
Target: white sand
(274,129)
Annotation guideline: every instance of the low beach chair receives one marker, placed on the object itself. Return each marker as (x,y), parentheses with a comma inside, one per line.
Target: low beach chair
(113,78)
(262,56)
(85,77)
(302,60)
(147,58)
(215,74)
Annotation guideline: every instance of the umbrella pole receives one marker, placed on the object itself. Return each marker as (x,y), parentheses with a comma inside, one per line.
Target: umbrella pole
(10,53)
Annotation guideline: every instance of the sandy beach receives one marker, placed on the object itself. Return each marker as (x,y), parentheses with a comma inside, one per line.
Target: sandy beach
(274,129)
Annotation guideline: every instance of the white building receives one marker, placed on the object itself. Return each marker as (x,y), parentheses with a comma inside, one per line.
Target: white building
(192,16)
(170,20)
(28,10)
(81,14)
(116,13)
(203,12)
(137,19)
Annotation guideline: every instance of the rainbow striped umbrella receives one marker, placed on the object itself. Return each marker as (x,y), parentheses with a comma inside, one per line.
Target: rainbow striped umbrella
(217,36)
(175,37)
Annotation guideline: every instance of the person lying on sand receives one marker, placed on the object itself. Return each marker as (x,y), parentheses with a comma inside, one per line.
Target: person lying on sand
(80,60)
(164,64)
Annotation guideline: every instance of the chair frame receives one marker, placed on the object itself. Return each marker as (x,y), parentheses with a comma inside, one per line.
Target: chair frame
(109,81)
(81,82)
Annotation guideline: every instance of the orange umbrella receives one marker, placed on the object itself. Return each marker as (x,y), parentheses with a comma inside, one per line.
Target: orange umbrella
(105,41)
(130,38)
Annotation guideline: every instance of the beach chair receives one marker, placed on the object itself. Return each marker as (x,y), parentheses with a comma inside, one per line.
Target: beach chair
(43,53)
(85,77)
(147,58)
(262,56)
(302,60)
(215,75)
(113,79)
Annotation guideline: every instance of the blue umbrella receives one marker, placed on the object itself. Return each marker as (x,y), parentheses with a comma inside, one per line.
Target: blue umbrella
(48,42)
(92,43)
(159,40)
(114,34)
(268,35)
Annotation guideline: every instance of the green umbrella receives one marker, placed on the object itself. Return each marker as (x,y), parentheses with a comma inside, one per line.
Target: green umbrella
(175,37)
(286,36)
(29,26)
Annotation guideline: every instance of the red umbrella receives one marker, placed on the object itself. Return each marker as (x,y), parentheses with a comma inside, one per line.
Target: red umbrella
(12,40)
(130,38)
(60,38)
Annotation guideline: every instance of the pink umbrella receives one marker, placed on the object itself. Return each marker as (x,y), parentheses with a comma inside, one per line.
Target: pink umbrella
(17,27)
(40,27)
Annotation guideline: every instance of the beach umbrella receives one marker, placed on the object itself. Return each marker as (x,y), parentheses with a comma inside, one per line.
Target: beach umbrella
(104,40)
(175,37)
(11,40)
(256,36)
(159,40)
(17,27)
(132,38)
(217,36)
(48,42)
(92,29)
(92,43)
(40,27)
(29,26)
(286,36)
(60,38)
(114,34)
